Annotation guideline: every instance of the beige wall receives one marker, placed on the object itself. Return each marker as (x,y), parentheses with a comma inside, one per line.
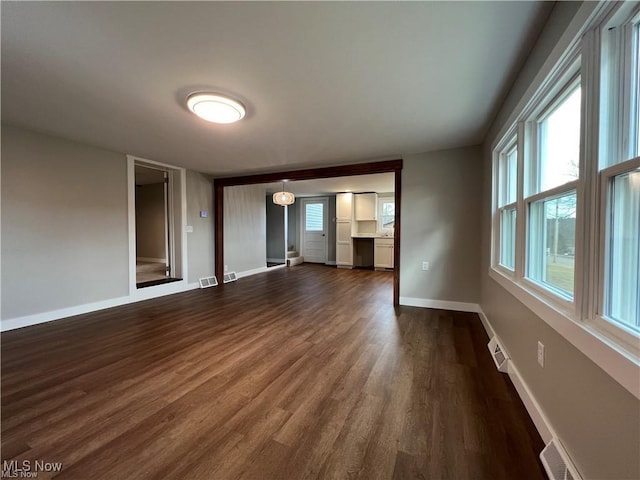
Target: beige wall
(200,242)
(64,224)
(596,419)
(441,225)
(245,228)
(150,221)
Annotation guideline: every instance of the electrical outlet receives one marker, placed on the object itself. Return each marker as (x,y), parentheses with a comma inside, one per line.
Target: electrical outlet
(226,267)
(425,265)
(541,354)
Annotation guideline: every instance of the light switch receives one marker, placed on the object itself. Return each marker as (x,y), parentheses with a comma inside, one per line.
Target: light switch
(189,229)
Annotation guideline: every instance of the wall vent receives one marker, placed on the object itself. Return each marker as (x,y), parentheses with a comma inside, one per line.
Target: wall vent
(230,277)
(557,463)
(208,282)
(500,358)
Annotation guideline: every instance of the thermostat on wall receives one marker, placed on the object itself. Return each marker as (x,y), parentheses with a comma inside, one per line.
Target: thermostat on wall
(203,214)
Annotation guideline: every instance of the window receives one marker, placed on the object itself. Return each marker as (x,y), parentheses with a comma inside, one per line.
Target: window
(622,274)
(566,198)
(620,174)
(314,217)
(507,193)
(552,243)
(554,172)
(386,213)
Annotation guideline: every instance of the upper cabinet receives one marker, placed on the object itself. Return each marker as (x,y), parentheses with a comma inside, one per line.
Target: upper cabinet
(366,206)
(344,203)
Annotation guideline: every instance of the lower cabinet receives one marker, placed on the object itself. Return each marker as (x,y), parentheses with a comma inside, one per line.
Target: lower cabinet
(383,253)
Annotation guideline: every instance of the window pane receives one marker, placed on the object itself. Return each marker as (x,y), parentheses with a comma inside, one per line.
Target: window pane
(387,214)
(552,240)
(560,144)
(636,89)
(314,217)
(623,283)
(508,238)
(508,177)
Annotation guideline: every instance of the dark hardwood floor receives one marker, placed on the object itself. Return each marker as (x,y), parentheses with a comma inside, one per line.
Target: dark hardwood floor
(297,373)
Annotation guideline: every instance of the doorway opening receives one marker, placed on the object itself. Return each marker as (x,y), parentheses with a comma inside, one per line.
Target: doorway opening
(157,243)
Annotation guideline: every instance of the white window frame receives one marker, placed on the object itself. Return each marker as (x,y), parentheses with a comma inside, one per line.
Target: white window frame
(618,332)
(566,82)
(578,322)
(509,142)
(382,199)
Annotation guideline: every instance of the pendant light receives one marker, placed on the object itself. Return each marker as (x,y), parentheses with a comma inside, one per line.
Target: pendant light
(283,198)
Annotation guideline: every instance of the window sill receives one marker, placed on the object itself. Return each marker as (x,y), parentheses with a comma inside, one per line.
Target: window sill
(621,365)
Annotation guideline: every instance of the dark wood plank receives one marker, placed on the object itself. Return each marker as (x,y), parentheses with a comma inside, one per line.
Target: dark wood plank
(303,372)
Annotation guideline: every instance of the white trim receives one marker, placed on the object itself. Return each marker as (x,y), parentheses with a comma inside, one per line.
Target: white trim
(163,289)
(44,317)
(150,259)
(530,403)
(331,262)
(439,304)
(617,363)
(540,420)
(255,271)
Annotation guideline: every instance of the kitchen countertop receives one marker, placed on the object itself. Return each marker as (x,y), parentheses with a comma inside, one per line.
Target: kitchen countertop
(371,235)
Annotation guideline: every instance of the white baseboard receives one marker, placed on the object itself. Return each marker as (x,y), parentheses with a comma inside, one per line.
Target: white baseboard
(540,420)
(150,259)
(439,304)
(254,271)
(331,262)
(44,317)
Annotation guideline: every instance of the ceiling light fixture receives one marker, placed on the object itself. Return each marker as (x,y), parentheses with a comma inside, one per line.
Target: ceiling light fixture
(215,108)
(283,198)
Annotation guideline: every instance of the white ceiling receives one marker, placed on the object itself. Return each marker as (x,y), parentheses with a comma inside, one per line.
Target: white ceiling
(324,82)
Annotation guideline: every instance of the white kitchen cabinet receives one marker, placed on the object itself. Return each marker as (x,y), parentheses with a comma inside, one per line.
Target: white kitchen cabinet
(344,207)
(366,206)
(383,253)
(344,225)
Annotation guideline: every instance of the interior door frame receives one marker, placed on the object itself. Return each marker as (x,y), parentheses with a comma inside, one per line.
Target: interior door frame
(386,166)
(177,177)
(325,223)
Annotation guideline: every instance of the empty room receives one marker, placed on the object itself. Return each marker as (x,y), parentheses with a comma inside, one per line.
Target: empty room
(320,240)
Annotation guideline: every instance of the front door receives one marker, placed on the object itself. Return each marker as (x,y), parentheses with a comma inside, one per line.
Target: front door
(314,222)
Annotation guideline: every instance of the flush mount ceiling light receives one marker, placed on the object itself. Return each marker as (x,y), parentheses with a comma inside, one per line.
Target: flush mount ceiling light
(215,108)
(283,198)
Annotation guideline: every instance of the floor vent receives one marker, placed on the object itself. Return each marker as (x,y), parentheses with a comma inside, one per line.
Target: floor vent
(208,282)
(497,353)
(557,463)
(230,277)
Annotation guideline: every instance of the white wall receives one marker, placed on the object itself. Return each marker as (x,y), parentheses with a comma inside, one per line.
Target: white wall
(245,228)
(597,420)
(441,225)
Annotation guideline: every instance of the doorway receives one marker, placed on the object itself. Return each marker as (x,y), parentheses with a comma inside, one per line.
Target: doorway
(386,166)
(155,216)
(153,252)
